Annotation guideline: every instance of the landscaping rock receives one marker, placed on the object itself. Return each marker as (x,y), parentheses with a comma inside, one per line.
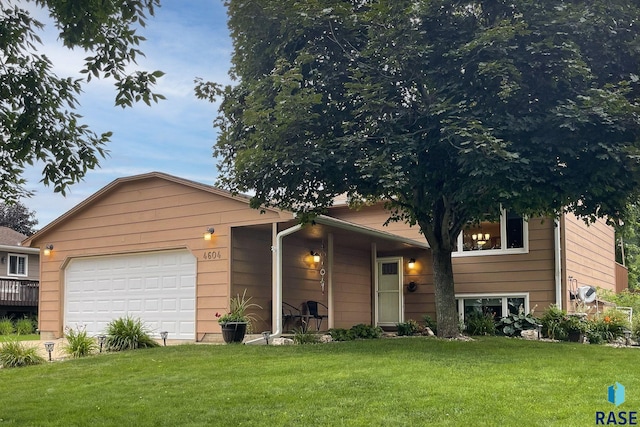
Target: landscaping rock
(530,334)
(281,341)
(428,332)
(325,339)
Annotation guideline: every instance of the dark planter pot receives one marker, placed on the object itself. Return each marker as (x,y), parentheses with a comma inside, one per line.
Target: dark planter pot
(234,331)
(575,336)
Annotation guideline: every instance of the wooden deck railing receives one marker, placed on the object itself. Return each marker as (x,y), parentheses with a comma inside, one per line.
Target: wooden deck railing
(19,292)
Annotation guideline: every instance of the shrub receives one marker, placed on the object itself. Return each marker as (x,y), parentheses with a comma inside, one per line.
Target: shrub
(430,323)
(6,326)
(408,328)
(514,324)
(553,323)
(14,354)
(304,336)
(366,331)
(341,334)
(481,323)
(127,333)
(78,343)
(607,326)
(25,326)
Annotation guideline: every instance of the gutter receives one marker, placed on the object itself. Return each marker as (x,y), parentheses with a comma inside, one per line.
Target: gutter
(276,307)
(19,249)
(558,262)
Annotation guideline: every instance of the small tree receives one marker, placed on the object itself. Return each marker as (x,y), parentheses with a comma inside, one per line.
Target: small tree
(18,218)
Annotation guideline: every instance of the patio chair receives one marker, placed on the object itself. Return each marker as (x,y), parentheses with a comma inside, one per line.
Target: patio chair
(312,311)
(289,312)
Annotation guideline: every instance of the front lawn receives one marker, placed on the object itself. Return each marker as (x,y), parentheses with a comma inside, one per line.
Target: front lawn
(388,382)
(17,337)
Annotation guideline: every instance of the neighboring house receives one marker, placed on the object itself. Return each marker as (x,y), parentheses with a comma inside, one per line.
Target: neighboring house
(19,274)
(172,252)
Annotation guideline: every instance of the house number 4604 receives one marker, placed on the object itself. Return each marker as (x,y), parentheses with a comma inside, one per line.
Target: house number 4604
(212,255)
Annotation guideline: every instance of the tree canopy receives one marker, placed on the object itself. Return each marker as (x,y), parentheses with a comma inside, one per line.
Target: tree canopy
(38,117)
(445,109)
(18,218)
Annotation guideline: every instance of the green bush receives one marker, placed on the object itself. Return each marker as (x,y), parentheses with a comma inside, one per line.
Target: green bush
(514,324)
(366,331)
(78,343)
(408,328)
(553,323)
(430,323)
(127,333)
(304,336)
(6,326)
(607,326)
(481,324)
(341,334)
(14,354)
(25,326)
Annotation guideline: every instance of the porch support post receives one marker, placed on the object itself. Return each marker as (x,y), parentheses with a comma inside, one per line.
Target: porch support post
(330,280)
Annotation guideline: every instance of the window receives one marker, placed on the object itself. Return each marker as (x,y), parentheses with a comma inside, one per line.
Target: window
(17,265)
(499,305)
(509,235)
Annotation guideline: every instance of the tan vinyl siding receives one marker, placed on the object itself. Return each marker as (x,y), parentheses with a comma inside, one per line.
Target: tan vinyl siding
(148,215)
(531,272)
(352,286)
(589,253)
(251,271)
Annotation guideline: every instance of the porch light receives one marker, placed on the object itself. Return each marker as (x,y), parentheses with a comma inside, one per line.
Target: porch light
(316,257)
(412,263)
(101,339)
(164,335)
(49,347)
(209,233)
(48,249)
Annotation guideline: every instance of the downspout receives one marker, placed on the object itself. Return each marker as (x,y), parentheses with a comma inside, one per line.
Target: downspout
(558,262)
(276,307)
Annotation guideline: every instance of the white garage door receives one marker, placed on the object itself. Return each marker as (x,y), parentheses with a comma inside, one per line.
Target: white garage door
(157,287)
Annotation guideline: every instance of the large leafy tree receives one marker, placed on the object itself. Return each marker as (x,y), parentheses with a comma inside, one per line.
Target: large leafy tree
(18,218)
(445,109)
(38,121)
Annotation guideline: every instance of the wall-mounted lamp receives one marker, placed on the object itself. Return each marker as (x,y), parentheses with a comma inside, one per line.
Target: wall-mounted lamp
(209,233)
(48,249)
(316,257)
(412,263)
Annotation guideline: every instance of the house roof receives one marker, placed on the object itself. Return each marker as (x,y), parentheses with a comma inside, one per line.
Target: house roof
(10,241)
(121,181)
(9,237)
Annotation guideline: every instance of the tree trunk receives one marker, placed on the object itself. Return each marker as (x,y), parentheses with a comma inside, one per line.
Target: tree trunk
(447,318)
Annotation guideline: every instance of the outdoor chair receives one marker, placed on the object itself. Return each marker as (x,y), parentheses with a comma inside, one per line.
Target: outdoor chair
(312,312)
(290,312)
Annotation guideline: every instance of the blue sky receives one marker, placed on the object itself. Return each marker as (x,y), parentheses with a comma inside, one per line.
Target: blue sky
(185,39)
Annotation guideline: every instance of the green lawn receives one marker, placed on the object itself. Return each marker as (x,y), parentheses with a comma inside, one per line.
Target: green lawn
(388,382)
(30,337)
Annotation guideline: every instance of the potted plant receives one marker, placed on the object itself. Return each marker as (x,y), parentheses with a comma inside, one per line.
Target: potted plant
(575,326)
(237,322)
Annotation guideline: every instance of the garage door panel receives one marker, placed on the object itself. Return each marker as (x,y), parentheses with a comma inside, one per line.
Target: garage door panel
(157,287)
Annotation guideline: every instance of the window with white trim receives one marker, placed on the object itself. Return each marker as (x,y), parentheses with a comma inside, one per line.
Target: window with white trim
(499,305)
(509,235)
(17,265)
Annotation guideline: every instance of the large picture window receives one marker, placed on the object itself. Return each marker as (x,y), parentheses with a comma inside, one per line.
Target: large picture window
(17,265)
(509,235)
(499,305)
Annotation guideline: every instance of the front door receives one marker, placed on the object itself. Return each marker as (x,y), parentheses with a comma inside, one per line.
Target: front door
(389,310)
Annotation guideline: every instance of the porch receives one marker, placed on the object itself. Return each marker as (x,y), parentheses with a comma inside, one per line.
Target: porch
(22,293)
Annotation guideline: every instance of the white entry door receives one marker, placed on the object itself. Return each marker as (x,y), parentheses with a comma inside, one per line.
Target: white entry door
(389,301)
